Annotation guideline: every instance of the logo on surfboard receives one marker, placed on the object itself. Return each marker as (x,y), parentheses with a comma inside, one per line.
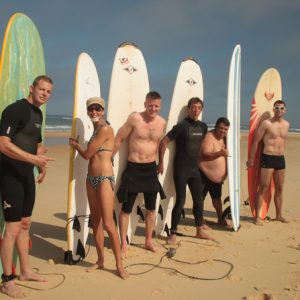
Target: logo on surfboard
(191,82)
(269,96)
(130,69)
(124,60)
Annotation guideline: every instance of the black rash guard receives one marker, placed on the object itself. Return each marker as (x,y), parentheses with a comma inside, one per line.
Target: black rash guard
(22,123)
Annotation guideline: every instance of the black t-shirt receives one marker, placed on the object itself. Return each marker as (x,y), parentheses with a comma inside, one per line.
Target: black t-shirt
(188,135)
(22,123)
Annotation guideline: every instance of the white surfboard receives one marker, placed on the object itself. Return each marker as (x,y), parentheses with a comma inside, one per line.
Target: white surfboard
(233,136)
(86,85)
(128,88)
(189,83)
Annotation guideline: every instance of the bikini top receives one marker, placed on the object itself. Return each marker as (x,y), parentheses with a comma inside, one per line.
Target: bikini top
(100,149)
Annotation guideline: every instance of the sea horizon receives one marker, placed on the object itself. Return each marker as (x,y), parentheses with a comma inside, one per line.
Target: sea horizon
(64,123)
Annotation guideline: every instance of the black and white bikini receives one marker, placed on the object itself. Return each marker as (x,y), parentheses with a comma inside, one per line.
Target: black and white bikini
(94,181)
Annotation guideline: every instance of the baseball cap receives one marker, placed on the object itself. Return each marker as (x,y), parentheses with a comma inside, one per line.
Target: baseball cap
(95,100)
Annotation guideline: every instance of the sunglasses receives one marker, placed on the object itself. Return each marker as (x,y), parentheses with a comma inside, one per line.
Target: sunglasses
(96,108)
(279,108)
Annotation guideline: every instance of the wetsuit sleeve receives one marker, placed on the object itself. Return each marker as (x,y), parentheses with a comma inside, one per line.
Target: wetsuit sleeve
(176,131)
(10,121)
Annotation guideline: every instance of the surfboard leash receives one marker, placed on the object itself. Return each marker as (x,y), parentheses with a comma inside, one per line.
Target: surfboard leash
(44,274)
(170,253)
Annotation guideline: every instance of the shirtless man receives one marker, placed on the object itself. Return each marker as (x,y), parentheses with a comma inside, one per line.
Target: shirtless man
(273,132)
(143,130)
(188,136)
(212,164)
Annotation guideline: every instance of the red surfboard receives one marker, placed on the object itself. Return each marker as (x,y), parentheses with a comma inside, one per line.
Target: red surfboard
(268,90)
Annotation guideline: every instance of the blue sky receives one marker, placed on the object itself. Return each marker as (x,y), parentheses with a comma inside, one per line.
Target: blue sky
(167,31)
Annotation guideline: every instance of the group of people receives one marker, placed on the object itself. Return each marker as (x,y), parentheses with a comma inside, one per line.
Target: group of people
(200,164)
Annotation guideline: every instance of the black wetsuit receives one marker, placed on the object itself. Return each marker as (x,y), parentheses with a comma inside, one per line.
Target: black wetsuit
(188,136)
(22,123)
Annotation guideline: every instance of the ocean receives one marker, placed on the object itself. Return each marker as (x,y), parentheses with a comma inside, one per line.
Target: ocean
(58,123)
(64,123)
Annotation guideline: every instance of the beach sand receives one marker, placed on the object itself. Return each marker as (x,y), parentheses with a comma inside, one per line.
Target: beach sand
(264,259)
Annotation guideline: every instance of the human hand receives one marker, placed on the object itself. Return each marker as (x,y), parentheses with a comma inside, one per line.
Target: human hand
(74,142)
(40,178)
(224,152)
(41,161)
(42,149)
(249,163)
(160,168)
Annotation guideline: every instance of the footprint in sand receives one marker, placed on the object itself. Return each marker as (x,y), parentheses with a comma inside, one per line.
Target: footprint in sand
(296,247)
(291,238)
(234,277)
(158,292)
(260,296)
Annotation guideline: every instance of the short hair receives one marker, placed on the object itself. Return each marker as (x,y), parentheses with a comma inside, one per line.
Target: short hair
(223,120)
(153,95)
(279,102)
(42,77)
(195,100)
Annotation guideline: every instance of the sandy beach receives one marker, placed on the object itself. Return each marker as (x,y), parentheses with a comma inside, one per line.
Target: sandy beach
(257,262)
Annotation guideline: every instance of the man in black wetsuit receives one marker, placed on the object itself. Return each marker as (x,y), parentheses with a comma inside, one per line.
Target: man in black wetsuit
(21,148)
(188,135)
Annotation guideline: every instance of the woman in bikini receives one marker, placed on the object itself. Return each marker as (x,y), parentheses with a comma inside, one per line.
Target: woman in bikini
(100,183)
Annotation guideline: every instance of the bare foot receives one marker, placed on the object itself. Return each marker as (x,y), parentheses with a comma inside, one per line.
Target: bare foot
(150,246)
(281,219)
(31,276)
(205,227)
(171,240)
(258,222)
(222,222)
(200,234)
(12,290)
(122,273)
(96,266)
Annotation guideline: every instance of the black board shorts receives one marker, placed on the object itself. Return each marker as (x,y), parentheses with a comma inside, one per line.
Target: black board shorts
(213,188)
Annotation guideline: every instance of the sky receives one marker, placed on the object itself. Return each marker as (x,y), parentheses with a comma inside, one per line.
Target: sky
(167,31)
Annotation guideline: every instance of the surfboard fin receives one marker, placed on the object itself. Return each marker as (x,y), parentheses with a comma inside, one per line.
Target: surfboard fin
(160,212)
(76,224)
(80,249)
(140,213)
(183,213)
(167,229)
(226,213)
(90,225)
(226,199)
(69,258)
